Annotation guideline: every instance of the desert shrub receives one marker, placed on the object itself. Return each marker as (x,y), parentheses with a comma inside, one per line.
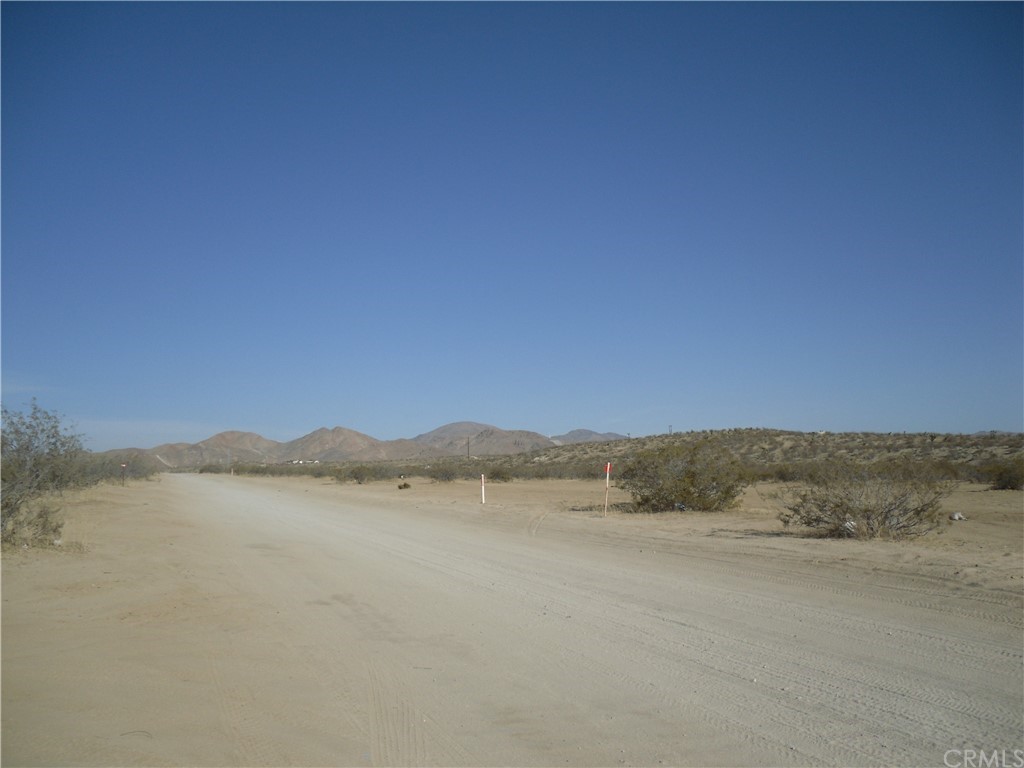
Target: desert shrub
(365,473)
(360,473)
(268,470)
(588,470)
(538,471)
(404,486)
(498,475)
(1006,475)
(40,457)
(255,470)
(35,523)
(887,499)
(99,467)
(701,476)
(784,472)
(442,473)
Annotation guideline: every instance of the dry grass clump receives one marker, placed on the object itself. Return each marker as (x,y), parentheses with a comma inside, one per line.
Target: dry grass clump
(883,500)
(35,524)
(1005,475)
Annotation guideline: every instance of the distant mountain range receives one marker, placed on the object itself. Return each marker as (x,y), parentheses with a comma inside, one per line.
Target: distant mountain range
(340,444)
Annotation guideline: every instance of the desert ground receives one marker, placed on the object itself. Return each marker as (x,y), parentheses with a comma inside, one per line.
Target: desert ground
(211,620)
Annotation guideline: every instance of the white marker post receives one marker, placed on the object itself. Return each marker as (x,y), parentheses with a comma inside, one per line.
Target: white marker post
(607,485)
(483,493)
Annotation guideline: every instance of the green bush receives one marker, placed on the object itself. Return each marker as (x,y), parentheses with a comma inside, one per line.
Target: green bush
(701,476)
(887,499)
(40,457)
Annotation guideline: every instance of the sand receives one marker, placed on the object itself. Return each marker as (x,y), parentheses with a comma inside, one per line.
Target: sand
(223,621)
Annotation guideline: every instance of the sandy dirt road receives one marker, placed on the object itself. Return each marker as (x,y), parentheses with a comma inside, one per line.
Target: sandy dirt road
(212,620)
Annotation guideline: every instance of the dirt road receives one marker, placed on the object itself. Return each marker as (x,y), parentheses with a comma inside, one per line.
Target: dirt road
(212,620)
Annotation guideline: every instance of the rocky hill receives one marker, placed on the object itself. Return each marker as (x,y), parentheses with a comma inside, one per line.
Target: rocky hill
(465,443)
(586,436)
(463,438)
(776,447)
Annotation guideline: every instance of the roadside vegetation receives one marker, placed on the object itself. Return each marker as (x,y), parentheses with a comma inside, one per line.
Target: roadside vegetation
(996,458)
(497,469)
(701,476)
(888,499)
(855,485)
(1005,475)
(41,459)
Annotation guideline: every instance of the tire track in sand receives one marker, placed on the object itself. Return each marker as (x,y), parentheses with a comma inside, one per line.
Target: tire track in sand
(396,735)
(240,722)
(400,732)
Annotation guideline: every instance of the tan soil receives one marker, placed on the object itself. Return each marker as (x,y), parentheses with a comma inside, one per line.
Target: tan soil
(212,620)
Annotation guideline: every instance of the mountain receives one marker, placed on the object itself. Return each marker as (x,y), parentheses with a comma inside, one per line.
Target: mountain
(245,447)
(464,438)
(499,442)
(451,438)
(586,436)
(247,444)
(340,444)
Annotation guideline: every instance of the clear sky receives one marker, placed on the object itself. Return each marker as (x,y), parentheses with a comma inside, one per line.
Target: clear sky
(274,217)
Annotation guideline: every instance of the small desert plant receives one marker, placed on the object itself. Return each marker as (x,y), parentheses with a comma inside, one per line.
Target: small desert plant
(442,473)
(360,473)
(701,476)
(498,475)
(40,457)
(866,501)
(1007,475)
(403,486)
(108,467)
(35,524)
(365,473)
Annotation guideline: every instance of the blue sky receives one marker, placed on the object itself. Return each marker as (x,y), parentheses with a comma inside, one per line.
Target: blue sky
(274,217)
